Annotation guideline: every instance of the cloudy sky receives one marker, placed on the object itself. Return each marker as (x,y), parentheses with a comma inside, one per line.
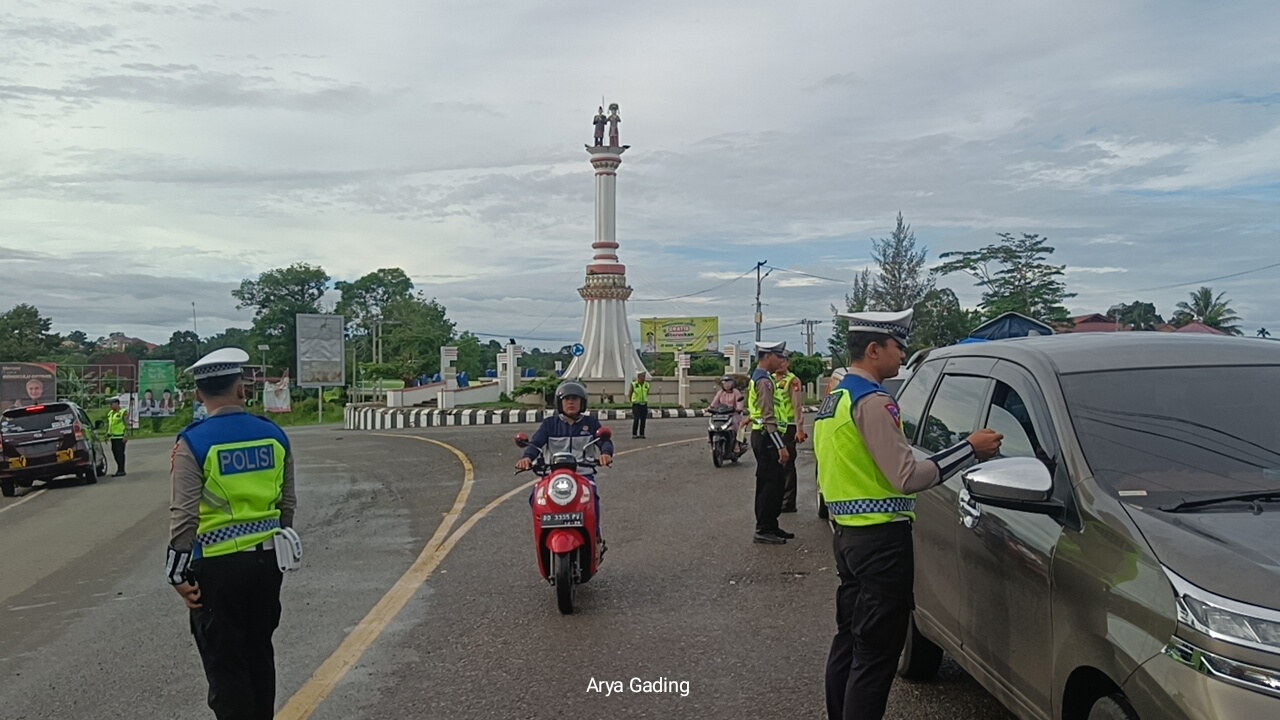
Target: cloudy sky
(155,153)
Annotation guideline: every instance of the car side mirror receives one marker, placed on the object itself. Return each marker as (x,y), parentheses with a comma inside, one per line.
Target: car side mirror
(97,424)
(522,440)
(604,433)
(1014,483)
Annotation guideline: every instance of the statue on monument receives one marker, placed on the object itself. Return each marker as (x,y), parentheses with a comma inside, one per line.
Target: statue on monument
(613,125)
(599,122)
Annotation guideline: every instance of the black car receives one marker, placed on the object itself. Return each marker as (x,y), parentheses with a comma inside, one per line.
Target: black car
(43,442)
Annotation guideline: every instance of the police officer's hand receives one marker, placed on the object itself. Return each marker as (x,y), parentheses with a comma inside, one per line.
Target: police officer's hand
(783,456)
(986,443)
(190,593)
(801,436)
(524,464)
(606,460)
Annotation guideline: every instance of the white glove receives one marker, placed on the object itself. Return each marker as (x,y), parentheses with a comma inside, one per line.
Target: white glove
(288,550)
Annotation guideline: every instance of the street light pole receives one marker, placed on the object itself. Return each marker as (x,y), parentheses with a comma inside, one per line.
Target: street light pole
(759,282)
(264,349)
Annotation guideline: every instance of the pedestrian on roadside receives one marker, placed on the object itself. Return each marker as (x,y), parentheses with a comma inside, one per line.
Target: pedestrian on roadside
(869,477)
(789,397)
(639,404)
(118,433)
(231,537)
(767,445)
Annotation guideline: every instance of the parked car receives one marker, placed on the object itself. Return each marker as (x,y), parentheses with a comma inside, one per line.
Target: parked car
(1121,558)
(43,442)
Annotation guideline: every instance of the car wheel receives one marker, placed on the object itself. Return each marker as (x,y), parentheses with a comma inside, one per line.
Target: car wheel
(920,658)
(1112,707)
(90,476)
(7,488)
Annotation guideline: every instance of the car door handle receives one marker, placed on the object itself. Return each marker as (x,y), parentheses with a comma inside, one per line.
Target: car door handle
(970,512)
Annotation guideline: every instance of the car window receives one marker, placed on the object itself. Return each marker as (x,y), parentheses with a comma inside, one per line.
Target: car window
(1010,416)
(953,416)
(1159,435)
(49,417)
(914,394)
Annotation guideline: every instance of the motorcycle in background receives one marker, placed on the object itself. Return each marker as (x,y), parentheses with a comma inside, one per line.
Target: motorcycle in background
(722,435)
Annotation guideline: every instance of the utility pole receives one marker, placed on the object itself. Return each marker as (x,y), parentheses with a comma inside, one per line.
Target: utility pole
(808,331)
(759,283)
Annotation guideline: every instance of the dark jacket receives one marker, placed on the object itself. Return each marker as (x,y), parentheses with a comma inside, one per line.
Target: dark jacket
(564,437)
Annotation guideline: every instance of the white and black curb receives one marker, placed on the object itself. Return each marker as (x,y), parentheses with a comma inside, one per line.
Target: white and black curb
(376,418)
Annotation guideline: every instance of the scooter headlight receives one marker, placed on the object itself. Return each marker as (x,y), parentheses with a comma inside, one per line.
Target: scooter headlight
(563,490)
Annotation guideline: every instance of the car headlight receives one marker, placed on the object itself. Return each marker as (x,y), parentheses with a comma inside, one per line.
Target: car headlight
(1226,619)
(563,489)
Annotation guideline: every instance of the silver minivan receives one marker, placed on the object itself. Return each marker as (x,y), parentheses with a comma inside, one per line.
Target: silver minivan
(1121,558)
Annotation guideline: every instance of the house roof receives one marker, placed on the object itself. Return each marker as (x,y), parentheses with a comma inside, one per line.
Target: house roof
(1201,328)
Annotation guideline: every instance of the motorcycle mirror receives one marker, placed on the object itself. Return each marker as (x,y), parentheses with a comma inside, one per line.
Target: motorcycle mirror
(522,440)
(604,433)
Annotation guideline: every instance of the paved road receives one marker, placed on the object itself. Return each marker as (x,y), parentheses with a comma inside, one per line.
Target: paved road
(89,630)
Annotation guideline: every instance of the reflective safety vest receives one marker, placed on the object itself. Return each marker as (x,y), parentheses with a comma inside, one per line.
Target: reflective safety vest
(640,393)
(854,488)
(754,409)
(782,405)
(116,423)
(243,457)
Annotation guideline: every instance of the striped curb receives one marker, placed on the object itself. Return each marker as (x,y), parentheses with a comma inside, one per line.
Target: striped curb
(372,418)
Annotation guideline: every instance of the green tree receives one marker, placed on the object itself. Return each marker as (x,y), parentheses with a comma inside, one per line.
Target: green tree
(182,349)
(1208,309)
(940,321)
(808,368)
(859,299)
(415,330)
(277,297)
(231,337)
(1015,277)
(1262,333)
(901,281)
(25,335)
(708,366)
(1137,315)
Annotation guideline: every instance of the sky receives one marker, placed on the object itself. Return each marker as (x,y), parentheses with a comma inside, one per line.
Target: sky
(154,154)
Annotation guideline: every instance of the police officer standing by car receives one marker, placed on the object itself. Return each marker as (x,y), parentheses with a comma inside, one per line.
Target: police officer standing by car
(118,433)
(767,445)
(231,536)
(869,477)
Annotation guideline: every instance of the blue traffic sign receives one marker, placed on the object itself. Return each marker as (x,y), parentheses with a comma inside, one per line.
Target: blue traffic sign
(578,350)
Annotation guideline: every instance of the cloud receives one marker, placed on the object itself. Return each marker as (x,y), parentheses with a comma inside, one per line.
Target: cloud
(799,282)
(1074,269)
(49,31)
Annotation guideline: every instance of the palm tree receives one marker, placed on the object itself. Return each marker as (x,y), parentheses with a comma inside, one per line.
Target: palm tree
(1208,309)
(1262,333)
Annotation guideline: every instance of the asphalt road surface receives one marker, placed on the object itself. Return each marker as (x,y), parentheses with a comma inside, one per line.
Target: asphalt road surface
(419,594)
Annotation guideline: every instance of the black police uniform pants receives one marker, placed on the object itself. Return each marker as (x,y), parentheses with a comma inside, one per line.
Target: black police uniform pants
(770,479)
(639,416)
(789,487)
(117,451)
(873,609)
(241,598)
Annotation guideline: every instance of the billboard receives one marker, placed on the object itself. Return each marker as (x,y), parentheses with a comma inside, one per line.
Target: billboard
(321,350)
(157,383)
(673,335)
(26,384)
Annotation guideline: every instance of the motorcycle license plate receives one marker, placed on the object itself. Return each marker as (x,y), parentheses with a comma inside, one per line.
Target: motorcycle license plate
(562,520)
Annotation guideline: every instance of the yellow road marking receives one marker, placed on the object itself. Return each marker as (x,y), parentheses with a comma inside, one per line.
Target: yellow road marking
(330,673)
(326,678)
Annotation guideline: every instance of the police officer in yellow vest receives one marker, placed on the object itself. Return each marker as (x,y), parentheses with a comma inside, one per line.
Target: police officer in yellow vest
(767,444)
(118,433)
(789,397)
(869,478)
(231,537)
(639,404)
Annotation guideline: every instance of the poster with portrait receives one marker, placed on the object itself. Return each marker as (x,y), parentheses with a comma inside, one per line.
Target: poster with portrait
(27,384)
(157,380)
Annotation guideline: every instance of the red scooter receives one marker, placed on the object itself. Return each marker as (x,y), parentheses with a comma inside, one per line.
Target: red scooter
(564,521)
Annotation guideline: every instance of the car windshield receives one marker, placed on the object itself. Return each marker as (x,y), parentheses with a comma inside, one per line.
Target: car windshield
(49,417)
(1160,435)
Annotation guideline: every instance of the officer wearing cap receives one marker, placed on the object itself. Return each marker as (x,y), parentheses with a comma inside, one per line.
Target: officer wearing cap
(869,478)
(233,492)
(767,445)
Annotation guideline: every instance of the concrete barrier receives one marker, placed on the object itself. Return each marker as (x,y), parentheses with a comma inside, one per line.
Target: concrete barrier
(356,417)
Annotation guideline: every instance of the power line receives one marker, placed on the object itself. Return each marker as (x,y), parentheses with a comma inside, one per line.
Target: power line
(811,275)
(700,292)
(1183,284)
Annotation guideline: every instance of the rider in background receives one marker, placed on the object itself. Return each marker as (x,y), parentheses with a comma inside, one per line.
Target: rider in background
(730,396)
(570,431)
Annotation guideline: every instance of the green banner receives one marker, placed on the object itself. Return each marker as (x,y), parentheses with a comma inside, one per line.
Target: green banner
(157,391)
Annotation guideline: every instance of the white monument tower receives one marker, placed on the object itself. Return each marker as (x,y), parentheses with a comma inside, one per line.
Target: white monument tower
(607,350)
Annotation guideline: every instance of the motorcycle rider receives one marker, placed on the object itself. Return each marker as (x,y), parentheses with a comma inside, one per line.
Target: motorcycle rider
(569,431)
(730,396)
